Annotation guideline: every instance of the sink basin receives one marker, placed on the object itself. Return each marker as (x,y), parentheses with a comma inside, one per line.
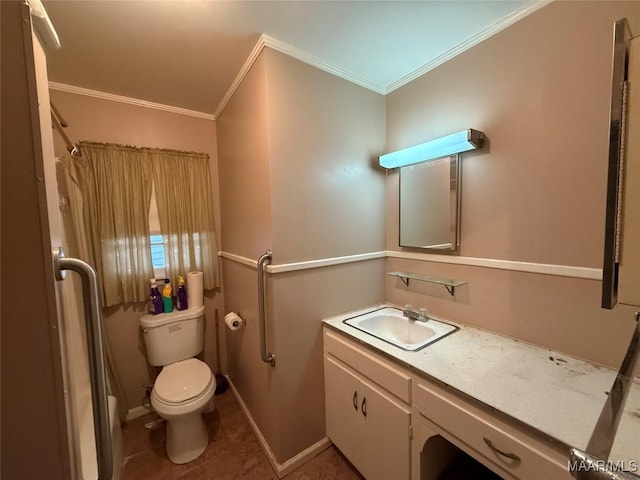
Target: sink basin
(390,325)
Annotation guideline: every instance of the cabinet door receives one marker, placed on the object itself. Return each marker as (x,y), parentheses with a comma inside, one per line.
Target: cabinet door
(384,434)
(343,417)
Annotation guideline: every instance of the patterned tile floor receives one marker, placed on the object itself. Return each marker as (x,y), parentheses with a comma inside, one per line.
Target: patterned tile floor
(233,452)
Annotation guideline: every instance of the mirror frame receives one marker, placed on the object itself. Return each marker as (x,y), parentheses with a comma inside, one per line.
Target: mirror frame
(621,39)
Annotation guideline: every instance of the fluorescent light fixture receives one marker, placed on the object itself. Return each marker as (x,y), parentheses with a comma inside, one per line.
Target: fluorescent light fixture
(440,147)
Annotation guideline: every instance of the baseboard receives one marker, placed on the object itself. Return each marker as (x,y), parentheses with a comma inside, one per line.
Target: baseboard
(294,462)
(303,457)
(138,411)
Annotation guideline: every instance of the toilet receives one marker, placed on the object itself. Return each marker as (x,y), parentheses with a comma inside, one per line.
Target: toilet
(185,387)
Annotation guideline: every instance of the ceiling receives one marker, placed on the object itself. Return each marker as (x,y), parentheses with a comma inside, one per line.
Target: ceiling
(187,53)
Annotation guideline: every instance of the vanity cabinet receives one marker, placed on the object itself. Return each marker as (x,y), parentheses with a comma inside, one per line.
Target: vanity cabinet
(370,424)
(393,423)
(506,449)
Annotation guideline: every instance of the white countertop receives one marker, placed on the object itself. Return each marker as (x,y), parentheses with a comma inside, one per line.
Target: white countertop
(556,394)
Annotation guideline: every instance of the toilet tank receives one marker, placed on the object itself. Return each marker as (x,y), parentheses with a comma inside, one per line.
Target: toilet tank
(175,336)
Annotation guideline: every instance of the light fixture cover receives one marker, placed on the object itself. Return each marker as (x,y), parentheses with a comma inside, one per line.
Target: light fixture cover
(463,141)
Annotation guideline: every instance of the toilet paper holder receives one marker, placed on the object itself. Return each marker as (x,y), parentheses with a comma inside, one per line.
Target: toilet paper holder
(233,320)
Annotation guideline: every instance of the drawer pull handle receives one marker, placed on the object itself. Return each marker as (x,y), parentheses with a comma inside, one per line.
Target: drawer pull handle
(355,400)
(490,444)
(364,406)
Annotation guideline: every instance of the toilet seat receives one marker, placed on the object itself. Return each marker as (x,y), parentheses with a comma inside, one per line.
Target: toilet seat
(182,382)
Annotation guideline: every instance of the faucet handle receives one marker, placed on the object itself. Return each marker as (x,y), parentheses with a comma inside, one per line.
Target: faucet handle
(408,307)
(422,314)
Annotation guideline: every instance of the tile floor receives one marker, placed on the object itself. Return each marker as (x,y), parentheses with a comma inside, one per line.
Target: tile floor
(233,452)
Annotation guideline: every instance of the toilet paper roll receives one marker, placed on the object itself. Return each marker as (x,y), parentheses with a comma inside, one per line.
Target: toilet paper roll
(233,321)
(194,289)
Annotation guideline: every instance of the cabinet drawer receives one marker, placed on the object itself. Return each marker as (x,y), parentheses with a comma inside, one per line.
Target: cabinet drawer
(488,436)
(384,374)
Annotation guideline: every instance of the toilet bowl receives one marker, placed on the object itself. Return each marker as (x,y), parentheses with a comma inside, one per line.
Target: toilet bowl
(185,387)
(180,394)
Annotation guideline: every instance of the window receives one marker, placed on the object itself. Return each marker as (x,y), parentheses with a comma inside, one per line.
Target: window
(157,251)
(157,240)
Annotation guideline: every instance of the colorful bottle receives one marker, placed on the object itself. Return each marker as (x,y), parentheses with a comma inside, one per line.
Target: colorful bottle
(181,295)
(167,298)
(155,299)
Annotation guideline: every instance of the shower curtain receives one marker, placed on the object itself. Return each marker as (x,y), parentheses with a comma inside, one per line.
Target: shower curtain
(84,245)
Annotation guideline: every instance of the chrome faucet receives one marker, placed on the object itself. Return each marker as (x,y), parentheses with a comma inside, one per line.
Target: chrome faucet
(411,314)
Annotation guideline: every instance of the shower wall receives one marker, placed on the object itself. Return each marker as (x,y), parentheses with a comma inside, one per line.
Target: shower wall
(298,173)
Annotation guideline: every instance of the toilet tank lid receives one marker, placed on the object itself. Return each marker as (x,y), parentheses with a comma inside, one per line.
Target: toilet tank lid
(150,321)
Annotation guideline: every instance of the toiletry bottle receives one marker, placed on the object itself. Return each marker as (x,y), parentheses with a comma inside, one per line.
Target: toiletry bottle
(181,295)
(155,299)
(167,298)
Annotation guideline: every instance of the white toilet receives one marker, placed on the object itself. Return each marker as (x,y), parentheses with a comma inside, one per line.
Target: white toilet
(185,386)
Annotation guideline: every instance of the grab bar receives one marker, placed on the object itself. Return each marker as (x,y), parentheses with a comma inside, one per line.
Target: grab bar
(266,357)
(96,360)
(601,441)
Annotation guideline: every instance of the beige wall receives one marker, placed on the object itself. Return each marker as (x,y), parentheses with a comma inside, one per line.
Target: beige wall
(246,231)
(301,299)
(244,167)
(325,136)
(327,191)
(108,121)
(311,140)
(540,90)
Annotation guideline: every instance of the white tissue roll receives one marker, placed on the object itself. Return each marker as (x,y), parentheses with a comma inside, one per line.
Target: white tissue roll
(194,289)
(233,321)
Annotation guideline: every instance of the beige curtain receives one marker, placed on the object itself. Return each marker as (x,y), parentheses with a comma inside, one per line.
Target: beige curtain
(112,187)
(78,179)
(185,210)
(112,193)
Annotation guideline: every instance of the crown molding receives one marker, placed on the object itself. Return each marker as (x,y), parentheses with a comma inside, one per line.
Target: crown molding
(317,62)
(253,56)
(285,48)
(282,47)
(128,100)
(500,25)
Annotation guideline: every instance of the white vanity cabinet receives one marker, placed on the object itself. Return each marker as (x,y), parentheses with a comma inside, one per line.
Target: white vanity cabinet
(393,423)
(506,449)
(367,409)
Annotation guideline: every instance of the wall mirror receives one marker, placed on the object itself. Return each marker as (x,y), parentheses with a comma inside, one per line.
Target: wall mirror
(430,205)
